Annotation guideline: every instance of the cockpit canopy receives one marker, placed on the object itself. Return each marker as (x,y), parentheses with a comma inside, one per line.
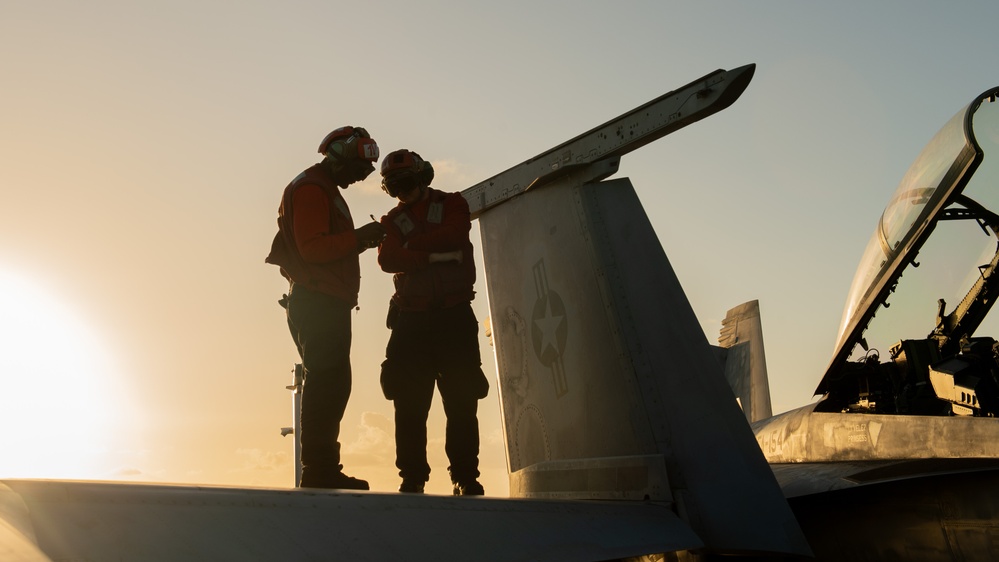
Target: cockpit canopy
(954,180)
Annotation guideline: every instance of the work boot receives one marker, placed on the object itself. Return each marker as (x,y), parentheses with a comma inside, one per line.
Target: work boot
(468,488)
(337,481)
(343,482)
(411,486)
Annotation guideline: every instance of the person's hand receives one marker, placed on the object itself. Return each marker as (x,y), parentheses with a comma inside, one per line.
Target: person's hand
(369,236)
(440,257)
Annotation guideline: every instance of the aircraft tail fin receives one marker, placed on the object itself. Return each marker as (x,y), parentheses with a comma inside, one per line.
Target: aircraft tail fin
(609,387)
(742,354)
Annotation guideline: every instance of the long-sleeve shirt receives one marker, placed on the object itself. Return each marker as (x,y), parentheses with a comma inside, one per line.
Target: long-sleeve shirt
(438,223)
(315,244)
(313,237)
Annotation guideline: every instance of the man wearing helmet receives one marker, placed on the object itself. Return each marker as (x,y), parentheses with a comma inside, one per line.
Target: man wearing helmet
(317,249)
(434,337)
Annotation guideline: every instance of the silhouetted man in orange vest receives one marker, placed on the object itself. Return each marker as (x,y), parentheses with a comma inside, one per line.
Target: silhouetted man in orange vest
(317,249)
(434,331)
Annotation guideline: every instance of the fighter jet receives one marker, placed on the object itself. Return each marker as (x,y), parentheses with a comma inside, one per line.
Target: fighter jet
(625,439)
(899,458)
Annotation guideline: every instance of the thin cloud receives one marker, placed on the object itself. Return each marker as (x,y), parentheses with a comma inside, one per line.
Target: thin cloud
(449,175)
(127,472)
(259,460)
(375,443)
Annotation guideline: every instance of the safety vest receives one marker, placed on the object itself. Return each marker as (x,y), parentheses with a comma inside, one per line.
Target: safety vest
(441,285)
(340,278)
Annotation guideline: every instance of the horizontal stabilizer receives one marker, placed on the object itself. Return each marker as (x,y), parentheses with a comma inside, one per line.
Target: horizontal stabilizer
(17,537)
(101,522)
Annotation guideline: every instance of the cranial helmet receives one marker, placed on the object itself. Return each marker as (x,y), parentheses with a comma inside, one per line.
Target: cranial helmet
(402,170)
(348,144)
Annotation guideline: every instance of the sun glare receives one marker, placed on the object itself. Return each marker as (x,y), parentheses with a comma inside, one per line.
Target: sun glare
(55,378)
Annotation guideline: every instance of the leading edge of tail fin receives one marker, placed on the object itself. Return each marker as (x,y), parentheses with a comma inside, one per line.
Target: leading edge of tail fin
(609,387)
(742,354)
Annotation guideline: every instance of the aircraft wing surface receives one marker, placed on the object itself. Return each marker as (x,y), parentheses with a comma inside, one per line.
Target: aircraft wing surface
(97,521)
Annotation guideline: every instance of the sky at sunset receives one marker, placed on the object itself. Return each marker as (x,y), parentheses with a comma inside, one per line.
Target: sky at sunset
(144,147)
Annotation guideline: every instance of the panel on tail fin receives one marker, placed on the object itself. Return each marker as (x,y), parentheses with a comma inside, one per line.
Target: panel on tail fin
(600,356)
(744,360)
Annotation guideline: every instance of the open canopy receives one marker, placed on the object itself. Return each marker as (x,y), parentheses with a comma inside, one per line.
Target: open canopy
(931,191)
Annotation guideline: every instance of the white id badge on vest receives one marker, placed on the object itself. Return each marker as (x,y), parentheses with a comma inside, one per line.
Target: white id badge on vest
(404,223)
(435,213)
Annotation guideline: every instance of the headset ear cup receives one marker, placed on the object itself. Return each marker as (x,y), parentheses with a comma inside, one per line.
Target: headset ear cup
(425,175)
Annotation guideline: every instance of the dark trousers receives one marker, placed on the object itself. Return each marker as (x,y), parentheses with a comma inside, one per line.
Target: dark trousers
(427,349)
(320,326)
